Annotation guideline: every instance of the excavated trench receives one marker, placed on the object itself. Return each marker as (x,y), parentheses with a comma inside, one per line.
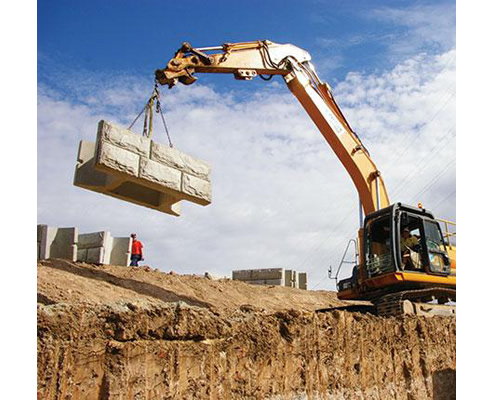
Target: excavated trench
(117,343)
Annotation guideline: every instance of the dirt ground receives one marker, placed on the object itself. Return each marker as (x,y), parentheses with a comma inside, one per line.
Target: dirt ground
(107,332)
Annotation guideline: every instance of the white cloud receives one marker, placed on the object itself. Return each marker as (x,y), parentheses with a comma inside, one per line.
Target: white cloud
(394,34)
(280,196)
(429,27)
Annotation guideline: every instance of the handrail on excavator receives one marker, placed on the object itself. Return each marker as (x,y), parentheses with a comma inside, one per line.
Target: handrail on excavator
(447,232)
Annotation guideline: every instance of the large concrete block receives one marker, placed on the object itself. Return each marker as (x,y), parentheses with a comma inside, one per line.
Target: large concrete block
(121,164)
(302,279)
(127,188)
(159,174)
(180,161)
(121,251)
(57,242)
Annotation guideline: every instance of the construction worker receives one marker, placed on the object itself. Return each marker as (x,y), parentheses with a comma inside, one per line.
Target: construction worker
(137,251)
(408,242)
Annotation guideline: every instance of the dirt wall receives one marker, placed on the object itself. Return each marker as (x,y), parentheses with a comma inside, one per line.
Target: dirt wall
(147,349)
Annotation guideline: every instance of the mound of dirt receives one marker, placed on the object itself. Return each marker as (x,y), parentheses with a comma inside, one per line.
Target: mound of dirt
(62,281)
(107,332)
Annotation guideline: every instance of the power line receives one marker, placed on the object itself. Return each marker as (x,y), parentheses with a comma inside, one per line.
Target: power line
(444,199)
(318,248)
(427,156)
(434,180)
(414,137)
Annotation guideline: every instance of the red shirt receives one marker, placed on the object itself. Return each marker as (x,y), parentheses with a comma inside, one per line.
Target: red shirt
(137,247)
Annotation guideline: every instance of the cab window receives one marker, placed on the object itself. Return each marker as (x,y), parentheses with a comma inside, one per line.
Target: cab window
(436,248)
(411,255)
(378,247)
(433,236)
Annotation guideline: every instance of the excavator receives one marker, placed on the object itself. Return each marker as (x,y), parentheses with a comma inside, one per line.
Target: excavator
(397,278)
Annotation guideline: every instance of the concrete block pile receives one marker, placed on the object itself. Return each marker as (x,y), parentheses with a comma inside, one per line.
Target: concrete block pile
(95,247)
(272,276)
(142,171)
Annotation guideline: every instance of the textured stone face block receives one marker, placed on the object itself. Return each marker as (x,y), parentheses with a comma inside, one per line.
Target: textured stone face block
(139,170)
(160,174)
(197,188)
(117,159)
(181,161)
(123,138)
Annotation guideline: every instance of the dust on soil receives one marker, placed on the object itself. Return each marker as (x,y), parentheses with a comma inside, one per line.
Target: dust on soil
(110,332)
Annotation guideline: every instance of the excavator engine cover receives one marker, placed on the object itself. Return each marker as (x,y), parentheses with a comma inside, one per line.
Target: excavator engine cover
(140,170)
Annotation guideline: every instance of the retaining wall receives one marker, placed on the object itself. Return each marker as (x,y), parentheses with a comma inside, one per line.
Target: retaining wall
(95,247)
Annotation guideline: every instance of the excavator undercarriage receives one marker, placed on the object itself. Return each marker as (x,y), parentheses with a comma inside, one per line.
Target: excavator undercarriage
(425,302)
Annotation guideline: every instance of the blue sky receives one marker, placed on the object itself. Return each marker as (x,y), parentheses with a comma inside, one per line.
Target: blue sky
(281,197)
(137,37)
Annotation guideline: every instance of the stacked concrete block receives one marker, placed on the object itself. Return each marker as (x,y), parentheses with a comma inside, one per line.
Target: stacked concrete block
(57,242)
(139,170)
(271,276)
(302,280)
(102,248)
(96,247)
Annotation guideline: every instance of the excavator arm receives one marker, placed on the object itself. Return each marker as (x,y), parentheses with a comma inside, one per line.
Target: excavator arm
(250,59)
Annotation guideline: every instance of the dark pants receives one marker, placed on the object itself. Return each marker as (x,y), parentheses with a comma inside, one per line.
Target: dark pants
(135,258)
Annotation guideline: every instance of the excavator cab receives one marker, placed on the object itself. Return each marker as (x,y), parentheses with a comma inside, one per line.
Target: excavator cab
(403,248)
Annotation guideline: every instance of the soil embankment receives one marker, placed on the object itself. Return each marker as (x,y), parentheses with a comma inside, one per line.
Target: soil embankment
(107,332)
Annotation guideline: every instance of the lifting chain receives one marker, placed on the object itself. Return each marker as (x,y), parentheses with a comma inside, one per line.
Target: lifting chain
(148,119)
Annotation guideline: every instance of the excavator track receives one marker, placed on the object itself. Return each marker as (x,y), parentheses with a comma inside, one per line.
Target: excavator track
(416,302)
